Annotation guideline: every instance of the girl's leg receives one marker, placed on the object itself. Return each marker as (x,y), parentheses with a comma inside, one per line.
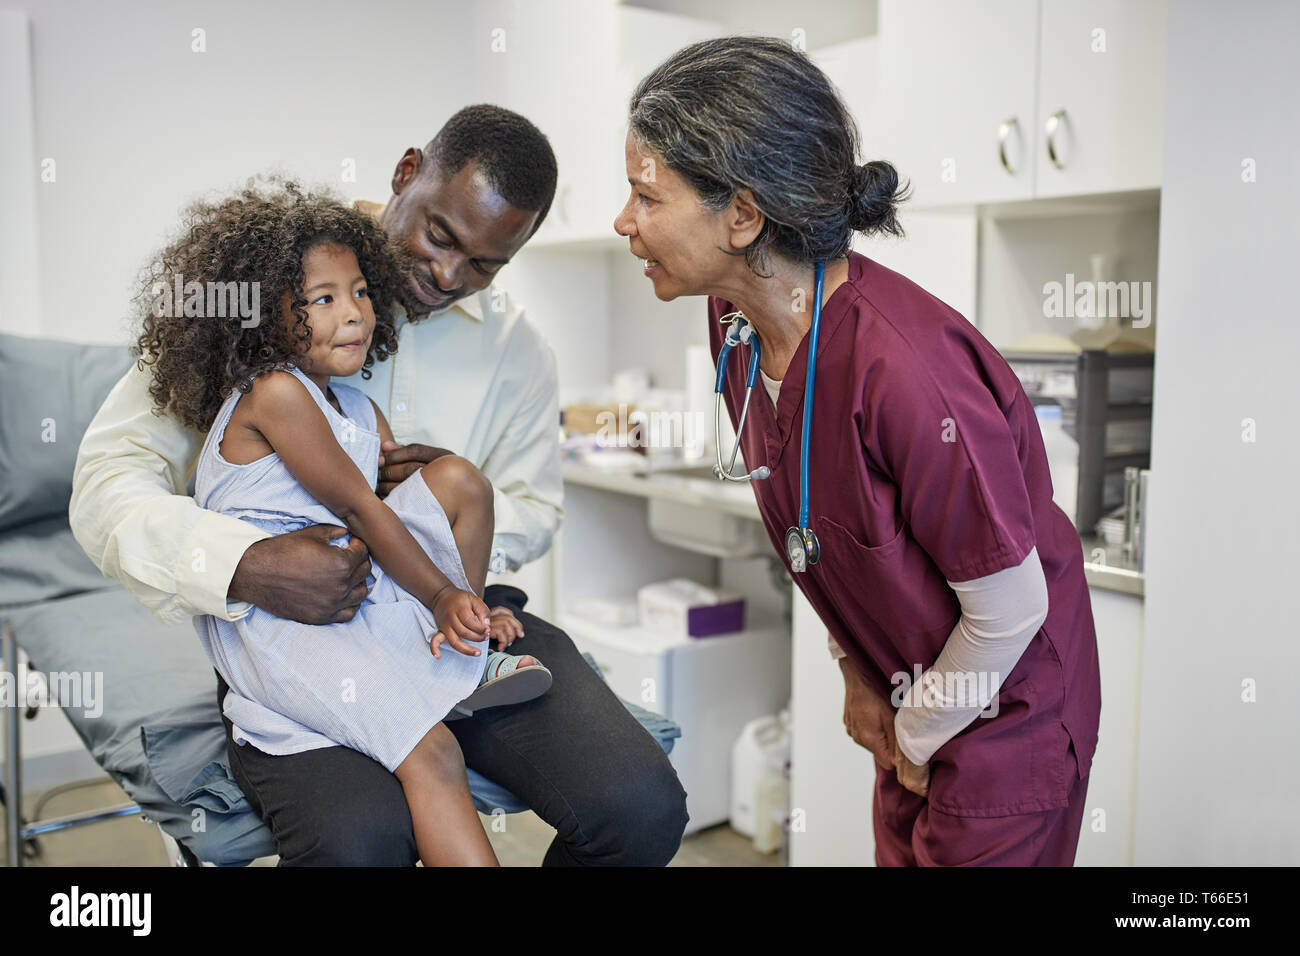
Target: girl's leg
(466,495)
(447,827)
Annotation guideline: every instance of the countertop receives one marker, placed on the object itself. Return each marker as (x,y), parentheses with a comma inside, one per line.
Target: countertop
(692,483)
(1105,567)
(687,484)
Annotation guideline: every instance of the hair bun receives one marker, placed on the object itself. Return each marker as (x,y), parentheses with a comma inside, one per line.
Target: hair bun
(873,196)
(859,181)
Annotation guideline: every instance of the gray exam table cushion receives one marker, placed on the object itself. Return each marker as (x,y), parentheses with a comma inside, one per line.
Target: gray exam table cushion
(160,734)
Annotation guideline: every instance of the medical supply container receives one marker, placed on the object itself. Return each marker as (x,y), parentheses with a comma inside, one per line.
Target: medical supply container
(683,608)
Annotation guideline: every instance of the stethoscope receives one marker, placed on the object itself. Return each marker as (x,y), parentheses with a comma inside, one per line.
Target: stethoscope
(801,544)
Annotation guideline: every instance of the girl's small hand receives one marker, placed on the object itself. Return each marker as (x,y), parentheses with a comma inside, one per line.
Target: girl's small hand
(505,627)
(440,638)
(461,617)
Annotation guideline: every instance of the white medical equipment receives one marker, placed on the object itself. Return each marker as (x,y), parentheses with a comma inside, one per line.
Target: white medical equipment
(684,608)
(759,782)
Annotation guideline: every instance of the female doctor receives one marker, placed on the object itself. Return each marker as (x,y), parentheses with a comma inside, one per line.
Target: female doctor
(951,585)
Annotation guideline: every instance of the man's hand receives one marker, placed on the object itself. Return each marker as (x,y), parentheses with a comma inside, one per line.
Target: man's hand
(868,717)
(300,576)
(399,462)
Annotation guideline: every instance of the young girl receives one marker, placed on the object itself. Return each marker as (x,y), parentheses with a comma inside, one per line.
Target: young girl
(286,449)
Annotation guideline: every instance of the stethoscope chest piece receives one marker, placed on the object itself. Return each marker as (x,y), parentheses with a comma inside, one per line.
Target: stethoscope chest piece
(803,548)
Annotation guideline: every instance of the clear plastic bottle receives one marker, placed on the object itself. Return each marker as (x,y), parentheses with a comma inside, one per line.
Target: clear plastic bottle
(1062,458)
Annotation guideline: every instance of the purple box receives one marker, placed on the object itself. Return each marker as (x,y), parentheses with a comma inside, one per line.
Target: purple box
(716,619)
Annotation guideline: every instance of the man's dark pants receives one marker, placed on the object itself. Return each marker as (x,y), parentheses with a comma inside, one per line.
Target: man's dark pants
(574,755)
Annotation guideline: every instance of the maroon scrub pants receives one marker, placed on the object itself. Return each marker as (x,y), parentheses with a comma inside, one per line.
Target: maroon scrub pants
(909,832)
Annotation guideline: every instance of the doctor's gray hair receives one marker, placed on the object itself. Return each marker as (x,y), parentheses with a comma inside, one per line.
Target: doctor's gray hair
(754,113)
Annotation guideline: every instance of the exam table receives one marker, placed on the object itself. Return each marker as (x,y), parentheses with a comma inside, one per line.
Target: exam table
(160,734)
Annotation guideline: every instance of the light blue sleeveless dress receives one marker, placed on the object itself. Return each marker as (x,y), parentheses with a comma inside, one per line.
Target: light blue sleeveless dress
(371,683)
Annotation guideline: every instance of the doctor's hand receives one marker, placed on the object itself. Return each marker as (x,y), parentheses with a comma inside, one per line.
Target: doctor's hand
(399,462)
(915,777)
(868,717)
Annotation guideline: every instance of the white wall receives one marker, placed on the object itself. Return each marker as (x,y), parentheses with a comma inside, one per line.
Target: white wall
(566,294)
(1218,777)
(138,124)
(19,267)
(645,332)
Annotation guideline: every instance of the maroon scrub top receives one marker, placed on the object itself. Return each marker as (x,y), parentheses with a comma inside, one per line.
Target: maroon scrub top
(927,466)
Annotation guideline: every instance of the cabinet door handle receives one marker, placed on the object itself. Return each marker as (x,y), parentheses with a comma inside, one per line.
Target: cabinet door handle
(1004,132)
(1053,124)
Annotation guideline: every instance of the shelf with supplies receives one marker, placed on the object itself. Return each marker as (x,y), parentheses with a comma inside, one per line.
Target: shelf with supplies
(1105,401)
(1105,415)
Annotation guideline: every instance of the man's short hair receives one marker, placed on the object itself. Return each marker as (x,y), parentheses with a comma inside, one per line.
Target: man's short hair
(514,154)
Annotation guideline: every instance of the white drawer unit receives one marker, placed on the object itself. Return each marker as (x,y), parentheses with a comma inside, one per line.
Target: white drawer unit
(711,686)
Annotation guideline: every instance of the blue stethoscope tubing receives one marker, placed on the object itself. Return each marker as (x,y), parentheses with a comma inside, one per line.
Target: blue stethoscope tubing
(802,546)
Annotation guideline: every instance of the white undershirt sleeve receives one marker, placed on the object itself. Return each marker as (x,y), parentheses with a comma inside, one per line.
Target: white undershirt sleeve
(1000,614)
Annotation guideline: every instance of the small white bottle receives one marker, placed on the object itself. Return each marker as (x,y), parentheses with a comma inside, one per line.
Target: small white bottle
(1062,458)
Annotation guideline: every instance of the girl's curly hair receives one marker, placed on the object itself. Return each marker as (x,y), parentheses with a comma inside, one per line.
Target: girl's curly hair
(259,235)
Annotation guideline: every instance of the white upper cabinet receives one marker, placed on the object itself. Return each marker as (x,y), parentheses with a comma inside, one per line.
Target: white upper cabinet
(576,68)
(854,67)
(1101,96)
(557,62)
(1018,99)
(957,94)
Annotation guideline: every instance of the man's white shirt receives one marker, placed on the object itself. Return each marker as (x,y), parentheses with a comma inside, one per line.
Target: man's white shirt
(478,379)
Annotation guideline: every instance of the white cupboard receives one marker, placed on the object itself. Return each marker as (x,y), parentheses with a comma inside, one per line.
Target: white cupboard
(831,777)
(1111,804)
(1018,99)
(1102,89)
(953,74)
(593,53)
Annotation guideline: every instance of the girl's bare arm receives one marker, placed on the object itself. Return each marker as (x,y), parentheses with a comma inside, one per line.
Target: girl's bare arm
(293,424)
